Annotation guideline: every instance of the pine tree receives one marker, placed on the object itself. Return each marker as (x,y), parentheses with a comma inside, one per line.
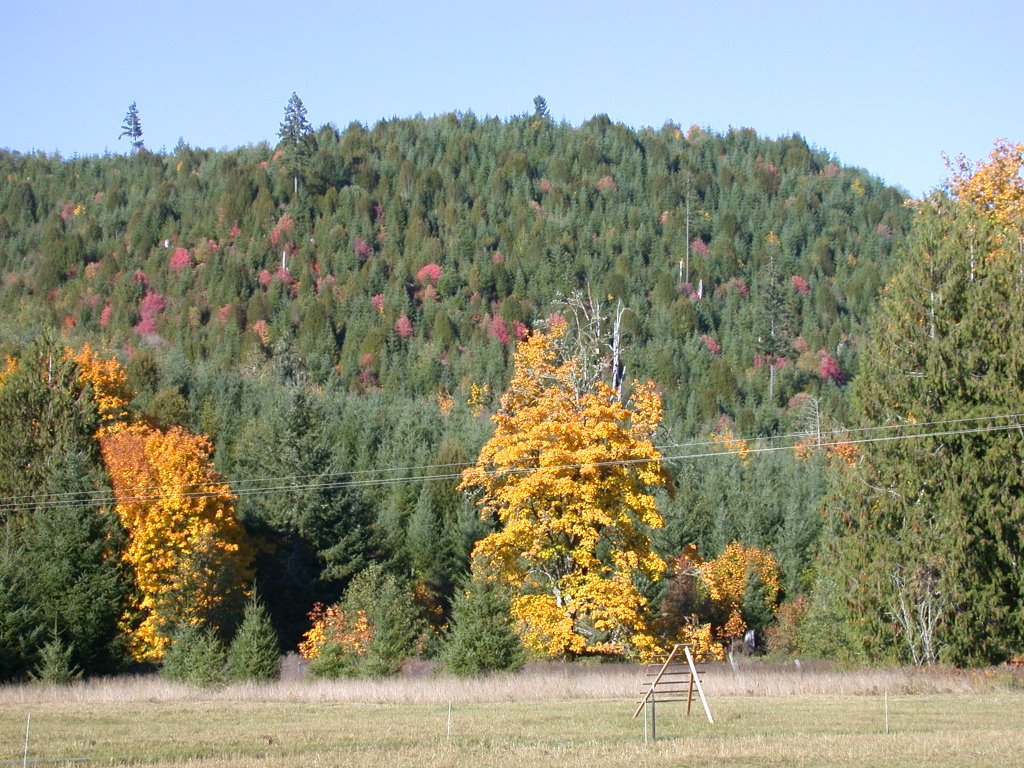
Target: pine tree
(195,655)
(540,110)
(929,528)
(394,619)
(254,653)
(131,128)
(59,554)
(55,662)
(370,633)
(296,136)
(482,637)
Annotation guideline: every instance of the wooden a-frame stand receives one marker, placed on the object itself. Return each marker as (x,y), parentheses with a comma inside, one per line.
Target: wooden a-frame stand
(675,680)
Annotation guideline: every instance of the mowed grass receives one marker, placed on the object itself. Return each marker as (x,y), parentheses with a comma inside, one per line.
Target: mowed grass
(545,717)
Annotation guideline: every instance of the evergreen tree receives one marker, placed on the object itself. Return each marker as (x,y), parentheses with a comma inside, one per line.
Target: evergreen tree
(196,656)
(317,535)
(55,663)
(22,624)
(59,558)
(380,625)
(929,528)
(296,136)
(394,618)
(131,128)
(540,109)
(482,637)
(254,653)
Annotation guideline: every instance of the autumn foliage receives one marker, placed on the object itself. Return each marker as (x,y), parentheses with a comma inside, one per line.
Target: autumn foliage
(569,476)
(109,381)
(186,548)
(707,600)
(333,625)
(995,187)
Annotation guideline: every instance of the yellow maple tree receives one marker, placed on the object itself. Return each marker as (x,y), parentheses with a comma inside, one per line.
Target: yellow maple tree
(186,549)
(995,187)
(351,630)
(727,577)
(110,389)
(708,597)
(569,477)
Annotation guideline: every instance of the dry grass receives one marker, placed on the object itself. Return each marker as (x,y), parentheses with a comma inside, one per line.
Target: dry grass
(550,715)
(541,682)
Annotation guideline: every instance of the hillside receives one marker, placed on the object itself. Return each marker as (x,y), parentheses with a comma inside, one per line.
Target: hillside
(353,308)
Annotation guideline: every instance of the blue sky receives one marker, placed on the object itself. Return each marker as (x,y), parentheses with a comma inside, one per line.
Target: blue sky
(887,86)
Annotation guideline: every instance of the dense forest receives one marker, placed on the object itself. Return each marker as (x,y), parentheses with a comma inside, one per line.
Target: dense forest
(326,327)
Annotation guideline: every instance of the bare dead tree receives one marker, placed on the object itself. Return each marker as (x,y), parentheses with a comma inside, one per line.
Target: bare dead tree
(918,608)
(596,347)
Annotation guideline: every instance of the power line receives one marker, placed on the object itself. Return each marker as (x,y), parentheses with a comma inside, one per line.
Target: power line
(242,487)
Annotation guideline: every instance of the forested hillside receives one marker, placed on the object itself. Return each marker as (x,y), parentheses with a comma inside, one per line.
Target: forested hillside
(338,314)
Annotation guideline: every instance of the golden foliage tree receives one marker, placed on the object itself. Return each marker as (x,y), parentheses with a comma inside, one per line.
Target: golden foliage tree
(186,548)
(995,187)
(568,475)
(185,545)
(728,577)
(710,598)
(8,367)
(109,381)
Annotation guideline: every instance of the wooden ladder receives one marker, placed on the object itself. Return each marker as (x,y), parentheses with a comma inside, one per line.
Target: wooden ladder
(674,680)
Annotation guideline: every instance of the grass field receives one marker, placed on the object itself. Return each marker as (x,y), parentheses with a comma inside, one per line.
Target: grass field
(548,716)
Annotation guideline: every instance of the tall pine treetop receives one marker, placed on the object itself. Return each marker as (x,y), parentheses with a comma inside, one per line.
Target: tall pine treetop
(295,128)
(132,127)
(296,137)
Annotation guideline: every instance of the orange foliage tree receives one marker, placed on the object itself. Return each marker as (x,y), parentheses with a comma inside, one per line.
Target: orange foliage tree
(569,477)
(186,548)
(995,187)
(109,382)
(332,624)
(711,597)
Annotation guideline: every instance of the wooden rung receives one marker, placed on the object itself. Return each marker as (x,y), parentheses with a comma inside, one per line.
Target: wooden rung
(661,691)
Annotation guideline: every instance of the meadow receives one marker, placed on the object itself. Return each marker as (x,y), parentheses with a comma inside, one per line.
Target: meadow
(549,715)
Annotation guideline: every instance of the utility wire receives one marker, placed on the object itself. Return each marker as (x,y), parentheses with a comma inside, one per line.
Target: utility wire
(243,487)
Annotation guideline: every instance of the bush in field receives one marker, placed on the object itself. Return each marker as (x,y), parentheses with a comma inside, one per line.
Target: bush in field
(197,656)
(55,663)
(482,638)
(254,653)
(370,633)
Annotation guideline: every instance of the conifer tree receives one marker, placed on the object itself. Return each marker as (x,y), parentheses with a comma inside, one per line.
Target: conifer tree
(370,633)
(56,663)
(254,653)
(131,128)
(296,136)
(929,528)
(540,110)
(59,550)
(195,655)
(482,636)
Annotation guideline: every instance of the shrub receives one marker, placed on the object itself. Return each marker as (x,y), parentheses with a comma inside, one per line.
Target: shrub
(195,656)
(55,665)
